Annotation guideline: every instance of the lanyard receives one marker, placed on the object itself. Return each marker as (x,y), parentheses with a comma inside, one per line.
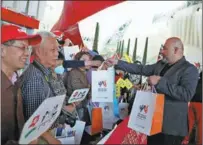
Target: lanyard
(45,76)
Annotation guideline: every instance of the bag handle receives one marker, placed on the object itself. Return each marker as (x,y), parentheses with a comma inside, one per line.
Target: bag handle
(95,104)
(154,90)
(99,68)
(145,85)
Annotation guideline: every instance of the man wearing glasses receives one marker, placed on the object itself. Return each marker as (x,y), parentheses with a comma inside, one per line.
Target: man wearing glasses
(14,53)
(177,79)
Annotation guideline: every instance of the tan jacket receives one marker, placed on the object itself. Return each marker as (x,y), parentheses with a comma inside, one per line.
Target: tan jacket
(75,79)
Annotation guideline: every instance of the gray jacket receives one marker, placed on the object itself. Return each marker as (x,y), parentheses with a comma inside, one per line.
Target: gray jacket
(178,84)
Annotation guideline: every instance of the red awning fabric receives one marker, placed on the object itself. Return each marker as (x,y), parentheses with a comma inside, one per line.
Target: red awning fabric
(75,11)
(18,18)
(73,33)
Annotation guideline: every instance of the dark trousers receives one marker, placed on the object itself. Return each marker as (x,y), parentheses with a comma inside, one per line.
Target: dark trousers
(164,139)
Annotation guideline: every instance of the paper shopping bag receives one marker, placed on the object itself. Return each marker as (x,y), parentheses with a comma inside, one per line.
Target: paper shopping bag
(123,110)
(97,125)
(103,85)
(66,133)
(70,52)
(108,117)
(96,122)
(147,113)
(90,106)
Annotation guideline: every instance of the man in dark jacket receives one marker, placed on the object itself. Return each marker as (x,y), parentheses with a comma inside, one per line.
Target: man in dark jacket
(177,79)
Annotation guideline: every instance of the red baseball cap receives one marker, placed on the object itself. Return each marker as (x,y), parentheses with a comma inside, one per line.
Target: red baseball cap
(58,33)
(13,32)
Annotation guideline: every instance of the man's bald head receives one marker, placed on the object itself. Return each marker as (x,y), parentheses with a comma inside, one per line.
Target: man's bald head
(173,49)
(175,42)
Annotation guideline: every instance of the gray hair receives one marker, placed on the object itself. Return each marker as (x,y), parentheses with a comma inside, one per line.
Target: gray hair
(44,35)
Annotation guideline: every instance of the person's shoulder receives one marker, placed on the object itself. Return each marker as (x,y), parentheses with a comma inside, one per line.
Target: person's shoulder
(160,62)
(74,71)
(190,65)
(31,74)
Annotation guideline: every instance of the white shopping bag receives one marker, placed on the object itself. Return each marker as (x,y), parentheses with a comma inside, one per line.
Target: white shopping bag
(68,132)
(123,110)
(70,51)
(103,85)
(65,136)
(147,113)
(79,129)
(108,117)
(142,112)
(42,119)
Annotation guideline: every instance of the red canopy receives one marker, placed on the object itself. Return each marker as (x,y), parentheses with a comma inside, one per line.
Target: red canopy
(74,11)
(18,18)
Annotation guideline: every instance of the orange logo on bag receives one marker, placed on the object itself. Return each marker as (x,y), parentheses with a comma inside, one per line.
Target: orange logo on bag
(144,107)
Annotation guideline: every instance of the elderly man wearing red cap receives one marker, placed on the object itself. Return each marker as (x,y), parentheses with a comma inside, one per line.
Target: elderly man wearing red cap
(14,53)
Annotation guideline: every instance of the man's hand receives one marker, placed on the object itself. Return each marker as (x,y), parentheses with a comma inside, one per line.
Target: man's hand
(49,138)
(84,49)
(153,80)
(70,108)
(137,87)
(68,42)
(111,61)
(77,103)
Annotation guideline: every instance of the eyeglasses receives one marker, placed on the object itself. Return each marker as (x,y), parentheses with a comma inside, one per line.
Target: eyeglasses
(22,48)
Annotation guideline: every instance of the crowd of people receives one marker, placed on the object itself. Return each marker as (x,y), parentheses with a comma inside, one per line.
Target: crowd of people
(173,76)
